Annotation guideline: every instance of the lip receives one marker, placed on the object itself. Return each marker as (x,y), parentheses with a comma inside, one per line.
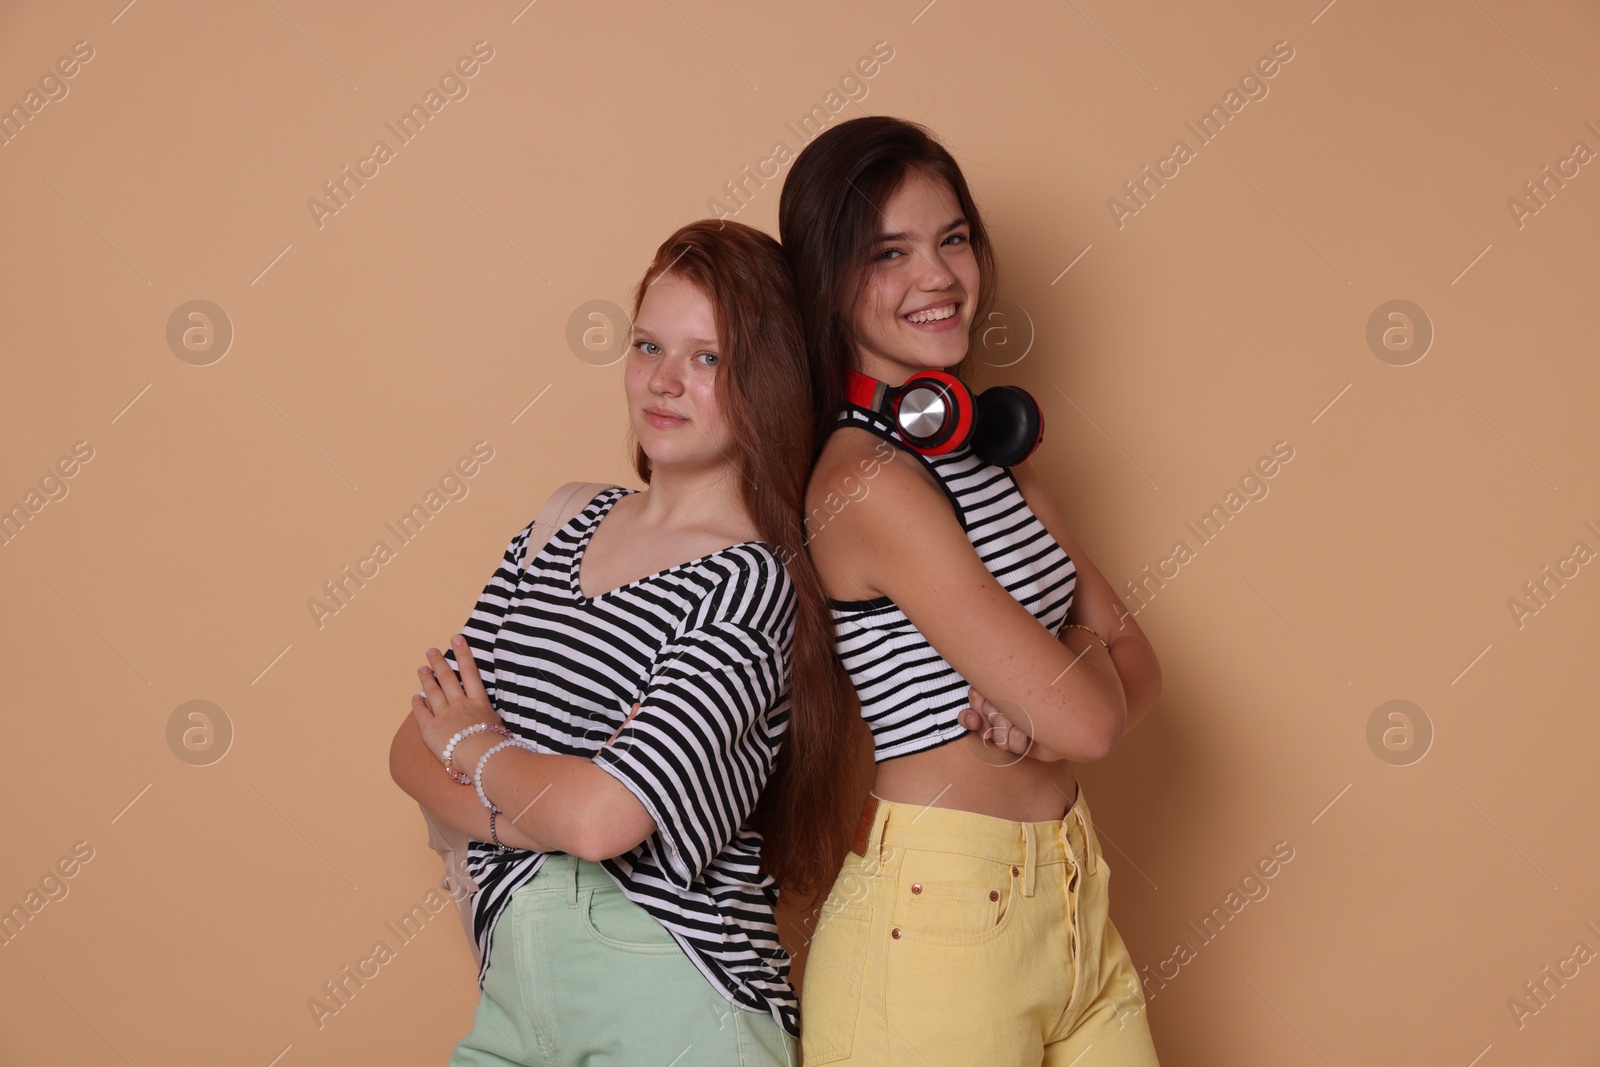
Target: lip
(939,326)
(662,419)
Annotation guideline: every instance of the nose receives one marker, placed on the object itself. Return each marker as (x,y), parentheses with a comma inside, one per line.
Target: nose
(667,379)
(932,273)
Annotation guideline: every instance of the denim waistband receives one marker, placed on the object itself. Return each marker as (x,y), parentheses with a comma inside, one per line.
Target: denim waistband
(562,872)
(888,824)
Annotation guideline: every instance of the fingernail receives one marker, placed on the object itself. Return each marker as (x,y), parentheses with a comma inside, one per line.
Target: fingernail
(458,640)
(987,732)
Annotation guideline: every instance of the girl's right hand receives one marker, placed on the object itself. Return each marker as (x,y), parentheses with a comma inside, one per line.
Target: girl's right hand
(991,723)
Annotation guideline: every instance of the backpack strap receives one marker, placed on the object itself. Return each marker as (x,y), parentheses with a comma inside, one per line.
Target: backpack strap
(563,504)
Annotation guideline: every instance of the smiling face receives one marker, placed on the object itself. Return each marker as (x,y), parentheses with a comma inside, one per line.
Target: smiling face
(671,376)
(921,286)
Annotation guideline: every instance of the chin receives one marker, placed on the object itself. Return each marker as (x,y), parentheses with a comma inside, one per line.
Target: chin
(672,455)
(927,359)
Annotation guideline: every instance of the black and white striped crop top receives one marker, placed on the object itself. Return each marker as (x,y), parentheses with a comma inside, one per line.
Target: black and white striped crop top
(909,695)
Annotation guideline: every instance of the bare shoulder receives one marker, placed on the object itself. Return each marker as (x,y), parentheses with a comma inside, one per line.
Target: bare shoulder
(862,478)
(845,452)
(853,460)
(870,504)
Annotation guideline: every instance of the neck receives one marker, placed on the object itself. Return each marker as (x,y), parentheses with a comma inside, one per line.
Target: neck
(693,498)
(891,372)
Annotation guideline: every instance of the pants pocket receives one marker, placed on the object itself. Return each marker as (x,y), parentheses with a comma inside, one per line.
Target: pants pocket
(950,899)
(830,995)
(617,922)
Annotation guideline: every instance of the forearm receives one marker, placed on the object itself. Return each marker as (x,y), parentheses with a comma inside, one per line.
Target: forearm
(1141,676)
(1129,651)
(418,772)
(553,799)
(1099,695)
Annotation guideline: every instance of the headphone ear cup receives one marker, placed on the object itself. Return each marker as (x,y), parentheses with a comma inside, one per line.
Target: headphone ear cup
(1010,425)
(935,411)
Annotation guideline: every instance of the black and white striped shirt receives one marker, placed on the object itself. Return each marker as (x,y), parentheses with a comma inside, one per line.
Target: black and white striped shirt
(909,695)
(704,647)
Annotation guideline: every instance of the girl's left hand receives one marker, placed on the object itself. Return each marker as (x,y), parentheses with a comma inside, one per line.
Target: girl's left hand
(993,726)
(444,705)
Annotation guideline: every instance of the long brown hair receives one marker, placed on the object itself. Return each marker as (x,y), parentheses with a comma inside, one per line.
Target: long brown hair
(829,216)
(764,390)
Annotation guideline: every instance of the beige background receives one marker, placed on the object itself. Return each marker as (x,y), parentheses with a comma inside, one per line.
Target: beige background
(1230,313)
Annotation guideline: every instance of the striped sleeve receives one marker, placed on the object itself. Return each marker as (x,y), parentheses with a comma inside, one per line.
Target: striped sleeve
(488,615)
(704,741)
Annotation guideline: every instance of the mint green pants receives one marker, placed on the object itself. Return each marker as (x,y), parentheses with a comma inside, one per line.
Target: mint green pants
(580,974)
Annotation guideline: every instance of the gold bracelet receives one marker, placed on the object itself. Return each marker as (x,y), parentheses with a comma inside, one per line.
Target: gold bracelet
(1097,637)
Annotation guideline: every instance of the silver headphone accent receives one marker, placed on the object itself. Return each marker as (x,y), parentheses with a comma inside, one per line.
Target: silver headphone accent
(922,411)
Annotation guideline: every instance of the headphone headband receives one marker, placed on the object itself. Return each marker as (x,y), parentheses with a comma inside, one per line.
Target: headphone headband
(934,410)
(864,391)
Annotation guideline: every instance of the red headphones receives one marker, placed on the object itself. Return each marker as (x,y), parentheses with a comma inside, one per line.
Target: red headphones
(936,413)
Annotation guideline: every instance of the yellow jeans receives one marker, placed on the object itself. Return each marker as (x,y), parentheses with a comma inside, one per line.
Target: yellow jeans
(956,938)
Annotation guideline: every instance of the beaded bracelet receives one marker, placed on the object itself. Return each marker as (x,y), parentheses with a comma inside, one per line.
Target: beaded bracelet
(1097,637)
(450,747)
(477,775)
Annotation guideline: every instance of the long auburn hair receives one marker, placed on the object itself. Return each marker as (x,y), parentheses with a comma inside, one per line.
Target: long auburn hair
(764,391)
(829,216)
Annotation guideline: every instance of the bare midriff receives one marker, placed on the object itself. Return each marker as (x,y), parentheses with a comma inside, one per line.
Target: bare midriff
(971,774)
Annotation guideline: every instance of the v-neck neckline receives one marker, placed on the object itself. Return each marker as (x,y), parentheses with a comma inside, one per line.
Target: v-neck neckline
(574,575)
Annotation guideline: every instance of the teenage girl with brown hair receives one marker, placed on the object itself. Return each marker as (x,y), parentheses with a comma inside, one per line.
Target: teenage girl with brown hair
(969,923)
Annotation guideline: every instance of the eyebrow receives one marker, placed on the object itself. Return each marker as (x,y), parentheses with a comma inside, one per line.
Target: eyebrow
(697,341)
(903,236)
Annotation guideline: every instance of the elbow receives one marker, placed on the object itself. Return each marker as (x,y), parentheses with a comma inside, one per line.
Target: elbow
(612,831)
(1100,742)
(596,847)
(1137,712)
(1086,745)
(605,820)
(400,767)
(582,833)
(591,842)
(606,842)
(1141,701)
(403,780)
(1120,715)
(1104,742)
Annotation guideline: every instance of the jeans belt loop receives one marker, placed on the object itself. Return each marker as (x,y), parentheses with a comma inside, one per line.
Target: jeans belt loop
(871,834)
(869,808)
(1030,858)
(1088,844)
(572,882)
